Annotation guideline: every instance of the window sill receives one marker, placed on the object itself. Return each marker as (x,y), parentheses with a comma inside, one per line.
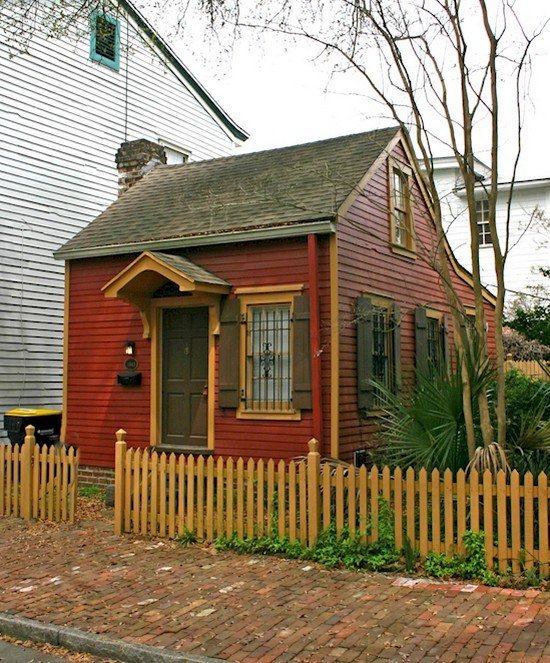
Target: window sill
(286,415)
(403,251)
(195,451)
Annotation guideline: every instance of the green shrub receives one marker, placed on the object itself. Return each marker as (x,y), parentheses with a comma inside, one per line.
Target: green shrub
(470,566)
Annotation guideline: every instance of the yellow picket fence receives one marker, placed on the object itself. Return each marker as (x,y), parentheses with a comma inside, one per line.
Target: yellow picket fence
(168,495)
(38,482)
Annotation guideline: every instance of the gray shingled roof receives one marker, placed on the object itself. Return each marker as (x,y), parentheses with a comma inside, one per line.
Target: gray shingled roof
(189,268)
(282,187)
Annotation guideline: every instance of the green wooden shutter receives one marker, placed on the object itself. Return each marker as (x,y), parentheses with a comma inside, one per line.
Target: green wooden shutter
(421,340)
(396,347)
(365,388)
(301,357)
(444,345)
(229,347)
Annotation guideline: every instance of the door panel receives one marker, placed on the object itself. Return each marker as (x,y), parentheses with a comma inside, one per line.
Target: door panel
(184,376)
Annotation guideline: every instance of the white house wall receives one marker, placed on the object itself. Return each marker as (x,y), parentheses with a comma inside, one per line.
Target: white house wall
(62,119)
(529,232)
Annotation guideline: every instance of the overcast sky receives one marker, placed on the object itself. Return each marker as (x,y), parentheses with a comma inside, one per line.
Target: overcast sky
(284,93)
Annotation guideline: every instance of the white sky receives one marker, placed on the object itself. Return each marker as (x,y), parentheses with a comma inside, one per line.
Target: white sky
(282,93)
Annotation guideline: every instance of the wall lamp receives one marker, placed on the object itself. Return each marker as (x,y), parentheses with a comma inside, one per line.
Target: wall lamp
(130,348)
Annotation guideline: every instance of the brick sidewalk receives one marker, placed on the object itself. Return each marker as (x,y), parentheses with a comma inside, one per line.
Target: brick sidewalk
(256,609)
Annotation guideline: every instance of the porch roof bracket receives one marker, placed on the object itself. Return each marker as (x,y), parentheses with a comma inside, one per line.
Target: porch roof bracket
(137,282)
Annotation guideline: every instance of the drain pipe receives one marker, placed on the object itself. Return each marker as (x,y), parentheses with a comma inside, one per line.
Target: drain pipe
(315,338)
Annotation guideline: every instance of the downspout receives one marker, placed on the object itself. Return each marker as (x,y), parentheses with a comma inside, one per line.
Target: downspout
(315,338)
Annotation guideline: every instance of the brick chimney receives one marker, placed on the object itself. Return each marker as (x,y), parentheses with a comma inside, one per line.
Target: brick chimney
(136,158)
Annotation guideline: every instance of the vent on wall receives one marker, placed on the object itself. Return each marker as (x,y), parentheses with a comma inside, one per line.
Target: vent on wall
(105,39)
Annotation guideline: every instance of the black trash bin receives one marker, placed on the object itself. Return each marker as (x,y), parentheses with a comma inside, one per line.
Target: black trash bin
(47,424)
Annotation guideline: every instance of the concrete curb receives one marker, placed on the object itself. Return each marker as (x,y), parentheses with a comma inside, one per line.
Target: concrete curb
(92,643)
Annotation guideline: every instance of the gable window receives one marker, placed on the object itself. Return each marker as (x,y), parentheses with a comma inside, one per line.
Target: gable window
(482,216)
(401,217)
(105,39)
(378,351)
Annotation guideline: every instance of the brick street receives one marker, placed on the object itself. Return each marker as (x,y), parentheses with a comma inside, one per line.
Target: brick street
(243,608)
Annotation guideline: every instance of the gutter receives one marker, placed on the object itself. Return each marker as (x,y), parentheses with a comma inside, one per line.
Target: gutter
(323,226)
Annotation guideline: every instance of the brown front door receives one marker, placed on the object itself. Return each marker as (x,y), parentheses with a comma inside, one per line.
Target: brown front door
(184,377)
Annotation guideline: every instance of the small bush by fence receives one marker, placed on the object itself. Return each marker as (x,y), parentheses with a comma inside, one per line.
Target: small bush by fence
(538,370)
(169,496)
(38,482)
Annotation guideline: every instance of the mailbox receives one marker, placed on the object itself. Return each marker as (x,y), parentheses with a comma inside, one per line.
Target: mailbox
(129,379)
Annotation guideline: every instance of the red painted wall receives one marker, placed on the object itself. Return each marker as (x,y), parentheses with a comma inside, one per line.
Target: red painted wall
(98,327)
(367,264)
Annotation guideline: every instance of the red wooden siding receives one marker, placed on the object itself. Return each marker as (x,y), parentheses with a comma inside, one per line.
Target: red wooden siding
(97,406)
(366,263)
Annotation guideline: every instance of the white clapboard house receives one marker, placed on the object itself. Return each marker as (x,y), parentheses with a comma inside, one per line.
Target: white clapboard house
(529,226)
(66,106)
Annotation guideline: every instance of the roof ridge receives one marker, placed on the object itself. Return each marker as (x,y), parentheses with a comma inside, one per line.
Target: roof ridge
(280,149)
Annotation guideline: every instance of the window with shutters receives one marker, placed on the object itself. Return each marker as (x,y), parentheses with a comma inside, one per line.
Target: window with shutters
(105,39)
(378,351)
(401,216)
(268,362)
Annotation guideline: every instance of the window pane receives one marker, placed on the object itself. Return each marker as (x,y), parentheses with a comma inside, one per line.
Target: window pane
(268,377)
(105,38)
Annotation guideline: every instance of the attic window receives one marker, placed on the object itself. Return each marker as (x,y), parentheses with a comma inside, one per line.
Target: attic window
(105,39)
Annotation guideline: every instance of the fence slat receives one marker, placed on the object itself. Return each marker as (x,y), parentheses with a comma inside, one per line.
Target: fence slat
(51,484)
(303,502)
(410,502)
(515,520)
(327,496)
(162,494)
(474,500)
(240,498)
(44,483)
(260,511)
(136,492)
(200,497)
(250,499)
(502,522)
(230,498)
(220,491)
(64,483)
(3,449)
(488,517)
(292,515)
(270,495)
(529,530)
(436,512)
(374,502)
(352,500)
(398,506)
(460,509)
(544,553)
(172,496)
(210,499)
(339,500)
(190,521)
(423,511)
(16,496)
(144,492)
(363,503)
(281,497)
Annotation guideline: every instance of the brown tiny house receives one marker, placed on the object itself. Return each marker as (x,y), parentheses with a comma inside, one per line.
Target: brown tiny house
(256,297)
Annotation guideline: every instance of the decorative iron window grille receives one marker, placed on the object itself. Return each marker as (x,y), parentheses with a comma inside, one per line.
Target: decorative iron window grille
(382,356)
(268,358)
(483,229)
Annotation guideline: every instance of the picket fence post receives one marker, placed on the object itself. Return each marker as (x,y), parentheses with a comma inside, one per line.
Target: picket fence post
(27,455)
(313,490)
(120,459)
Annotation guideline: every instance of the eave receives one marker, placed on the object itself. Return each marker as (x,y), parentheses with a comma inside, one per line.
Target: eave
(319,227)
